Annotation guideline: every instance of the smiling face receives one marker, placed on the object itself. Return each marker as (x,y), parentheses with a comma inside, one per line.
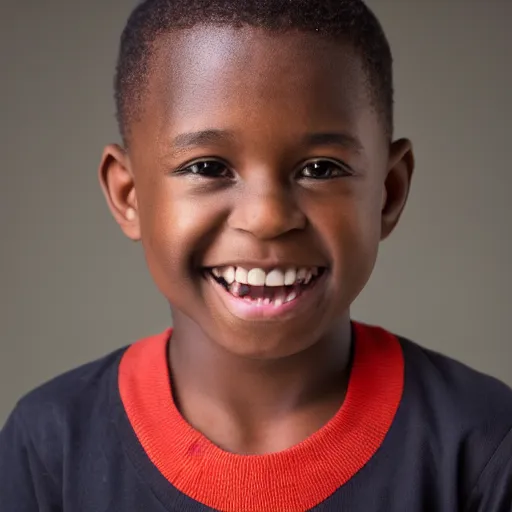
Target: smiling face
(260,181)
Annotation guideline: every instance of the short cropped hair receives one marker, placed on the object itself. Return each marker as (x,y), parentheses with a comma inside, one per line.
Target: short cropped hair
(346,20)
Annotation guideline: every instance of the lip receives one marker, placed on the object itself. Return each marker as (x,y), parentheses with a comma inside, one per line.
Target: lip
(249,311)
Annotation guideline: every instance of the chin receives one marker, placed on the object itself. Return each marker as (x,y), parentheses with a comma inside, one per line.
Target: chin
(265,343)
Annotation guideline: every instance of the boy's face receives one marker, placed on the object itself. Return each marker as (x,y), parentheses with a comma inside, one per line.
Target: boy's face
(293,171)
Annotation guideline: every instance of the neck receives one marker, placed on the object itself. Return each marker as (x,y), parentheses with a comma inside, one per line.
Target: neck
(257,406)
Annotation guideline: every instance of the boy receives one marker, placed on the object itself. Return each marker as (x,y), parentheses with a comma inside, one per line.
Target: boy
(259,172)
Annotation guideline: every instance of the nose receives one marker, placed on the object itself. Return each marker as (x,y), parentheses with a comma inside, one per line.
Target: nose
(267,213)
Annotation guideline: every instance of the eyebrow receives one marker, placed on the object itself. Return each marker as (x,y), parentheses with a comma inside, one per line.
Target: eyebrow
(187,140)
(333,139)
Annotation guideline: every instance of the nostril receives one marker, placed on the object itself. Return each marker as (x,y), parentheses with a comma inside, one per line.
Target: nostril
(267,216)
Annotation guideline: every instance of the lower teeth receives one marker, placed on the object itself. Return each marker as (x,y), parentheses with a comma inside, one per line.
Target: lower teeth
(291,297)
(277,301)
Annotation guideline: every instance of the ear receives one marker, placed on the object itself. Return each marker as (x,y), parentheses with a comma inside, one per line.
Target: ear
(118,186)
(397,184)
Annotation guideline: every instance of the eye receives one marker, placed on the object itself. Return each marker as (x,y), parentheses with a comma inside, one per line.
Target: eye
(206,168)
(324,170)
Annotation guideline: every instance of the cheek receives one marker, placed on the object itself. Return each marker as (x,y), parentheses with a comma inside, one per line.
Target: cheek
(353,234)
(175,226)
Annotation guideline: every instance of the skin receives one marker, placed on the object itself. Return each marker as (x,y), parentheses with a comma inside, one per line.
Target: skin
(257,386)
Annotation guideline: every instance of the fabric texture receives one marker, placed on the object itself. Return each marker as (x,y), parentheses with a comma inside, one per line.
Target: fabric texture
(417,432)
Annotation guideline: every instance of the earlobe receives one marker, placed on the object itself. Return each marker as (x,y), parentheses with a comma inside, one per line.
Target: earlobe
(397,184)
(118,187)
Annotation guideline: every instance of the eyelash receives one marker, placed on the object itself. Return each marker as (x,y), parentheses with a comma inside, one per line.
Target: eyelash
(342,170)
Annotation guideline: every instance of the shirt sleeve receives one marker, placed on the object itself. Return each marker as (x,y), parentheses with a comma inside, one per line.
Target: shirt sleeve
(25,483)
(493,491)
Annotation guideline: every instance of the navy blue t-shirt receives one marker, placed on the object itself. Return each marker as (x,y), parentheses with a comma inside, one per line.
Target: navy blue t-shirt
(418,432)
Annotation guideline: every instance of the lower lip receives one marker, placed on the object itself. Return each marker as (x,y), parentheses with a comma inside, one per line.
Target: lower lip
(249,310)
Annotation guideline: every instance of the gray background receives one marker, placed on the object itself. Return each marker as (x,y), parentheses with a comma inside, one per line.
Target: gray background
(73,289)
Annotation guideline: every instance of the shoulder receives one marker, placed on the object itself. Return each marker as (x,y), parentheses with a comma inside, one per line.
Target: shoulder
(79,402)
(70,391)
(57,413)
(465,416)
(456,389)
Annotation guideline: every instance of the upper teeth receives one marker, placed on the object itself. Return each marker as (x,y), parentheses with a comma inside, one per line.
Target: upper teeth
(258,277)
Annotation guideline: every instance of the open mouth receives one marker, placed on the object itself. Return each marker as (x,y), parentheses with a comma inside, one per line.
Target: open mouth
(261,288)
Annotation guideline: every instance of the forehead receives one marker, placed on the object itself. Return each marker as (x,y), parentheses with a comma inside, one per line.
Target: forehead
(210,75)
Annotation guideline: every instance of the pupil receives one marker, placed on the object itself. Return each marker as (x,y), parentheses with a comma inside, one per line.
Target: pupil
(321,169)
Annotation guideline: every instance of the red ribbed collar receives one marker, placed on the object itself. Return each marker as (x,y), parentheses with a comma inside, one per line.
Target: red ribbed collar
(296,479)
